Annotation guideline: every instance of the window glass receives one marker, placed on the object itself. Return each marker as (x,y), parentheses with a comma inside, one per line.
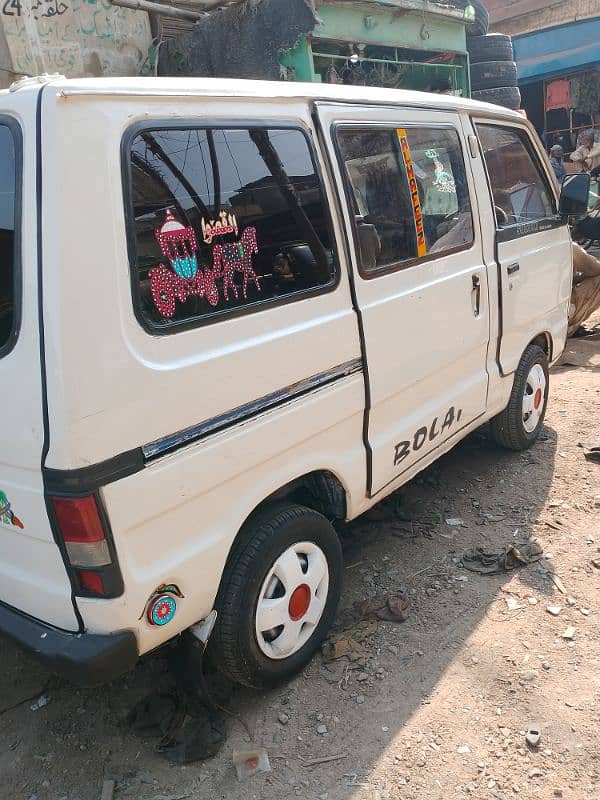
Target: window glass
(444,194)
(7,235)
(380,194)
(519,189)
(225,219)
(409,192)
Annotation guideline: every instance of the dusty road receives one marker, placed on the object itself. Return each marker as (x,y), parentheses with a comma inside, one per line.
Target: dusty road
(441,705)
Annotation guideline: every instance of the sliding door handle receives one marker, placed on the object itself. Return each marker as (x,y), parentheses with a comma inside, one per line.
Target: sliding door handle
(477,292)
(512,268)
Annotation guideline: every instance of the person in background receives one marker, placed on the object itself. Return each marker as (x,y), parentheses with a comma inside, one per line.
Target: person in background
(587,154)
(585,295)
(556,160)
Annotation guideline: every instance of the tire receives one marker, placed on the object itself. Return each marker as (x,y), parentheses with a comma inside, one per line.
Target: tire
(479,26)
(507,96)
(491,74)
(515,428)
(493,47)
(239,646)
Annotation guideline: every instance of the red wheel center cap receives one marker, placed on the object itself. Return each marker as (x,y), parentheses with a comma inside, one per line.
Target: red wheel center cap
(299,602)
(537,400)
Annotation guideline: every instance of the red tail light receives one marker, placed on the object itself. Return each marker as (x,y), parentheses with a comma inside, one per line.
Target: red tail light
(91,581)
(88,547)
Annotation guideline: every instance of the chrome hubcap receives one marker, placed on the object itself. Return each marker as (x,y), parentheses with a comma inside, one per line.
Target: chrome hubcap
(533,398)
(291,600)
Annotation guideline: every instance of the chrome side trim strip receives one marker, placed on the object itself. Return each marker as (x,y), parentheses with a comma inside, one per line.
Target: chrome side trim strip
(245,412)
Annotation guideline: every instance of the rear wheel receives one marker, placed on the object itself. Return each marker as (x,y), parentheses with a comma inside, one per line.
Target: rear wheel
(278,596)
(519,425)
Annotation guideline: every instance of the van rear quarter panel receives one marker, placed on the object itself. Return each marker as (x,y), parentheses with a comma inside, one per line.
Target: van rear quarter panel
(33,578)
(176,520)
(113,386)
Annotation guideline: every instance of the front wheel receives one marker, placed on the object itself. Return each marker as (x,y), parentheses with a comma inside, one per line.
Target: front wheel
(278,595)
(519,425)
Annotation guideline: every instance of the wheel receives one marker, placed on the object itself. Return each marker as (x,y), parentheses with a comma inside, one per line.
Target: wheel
(491,74)
(507,96)
(519,425)
(481,22)
(493,47)
(278,595)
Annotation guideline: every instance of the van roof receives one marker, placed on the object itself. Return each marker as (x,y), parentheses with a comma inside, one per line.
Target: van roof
(268,90)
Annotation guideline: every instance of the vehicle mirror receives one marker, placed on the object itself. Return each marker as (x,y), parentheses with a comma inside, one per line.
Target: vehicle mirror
(369,244)
(574,194)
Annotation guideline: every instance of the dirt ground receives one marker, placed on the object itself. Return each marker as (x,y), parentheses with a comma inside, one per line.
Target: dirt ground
(439,704)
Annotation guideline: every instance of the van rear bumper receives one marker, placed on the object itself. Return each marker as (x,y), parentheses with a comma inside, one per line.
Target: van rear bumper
(86,659)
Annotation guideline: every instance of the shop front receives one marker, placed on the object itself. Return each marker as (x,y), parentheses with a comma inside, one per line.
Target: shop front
(559,77)
(391,43)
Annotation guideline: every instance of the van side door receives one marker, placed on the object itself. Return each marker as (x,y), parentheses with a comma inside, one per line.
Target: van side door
(533,244)
(420,279)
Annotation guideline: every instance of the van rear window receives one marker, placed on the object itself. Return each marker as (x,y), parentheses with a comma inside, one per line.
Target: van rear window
(224,221)
(8,248)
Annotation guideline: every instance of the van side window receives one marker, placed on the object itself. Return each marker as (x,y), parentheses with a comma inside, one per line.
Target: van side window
(8,248)
(409,193)
(520,191)
(224,221)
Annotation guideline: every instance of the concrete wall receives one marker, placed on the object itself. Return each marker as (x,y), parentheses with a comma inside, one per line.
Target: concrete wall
(524,16)
(74,37)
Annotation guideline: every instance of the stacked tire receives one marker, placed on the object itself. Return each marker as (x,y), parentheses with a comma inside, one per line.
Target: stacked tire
(493,70)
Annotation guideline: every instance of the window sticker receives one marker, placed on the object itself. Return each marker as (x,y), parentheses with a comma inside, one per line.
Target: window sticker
(226,223)
(179,246)
(7,515)
(444,182)
(414,192)
(186,278)
(237,256)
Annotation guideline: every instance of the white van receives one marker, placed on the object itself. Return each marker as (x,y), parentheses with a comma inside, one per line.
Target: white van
(232,312)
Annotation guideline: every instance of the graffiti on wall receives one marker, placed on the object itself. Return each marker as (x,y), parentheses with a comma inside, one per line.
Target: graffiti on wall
(50,8)
(75,37)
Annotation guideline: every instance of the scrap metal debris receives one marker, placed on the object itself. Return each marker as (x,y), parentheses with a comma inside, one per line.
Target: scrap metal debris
(491,563)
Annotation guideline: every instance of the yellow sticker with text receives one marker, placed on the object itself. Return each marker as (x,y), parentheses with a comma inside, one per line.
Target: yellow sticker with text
(414,192)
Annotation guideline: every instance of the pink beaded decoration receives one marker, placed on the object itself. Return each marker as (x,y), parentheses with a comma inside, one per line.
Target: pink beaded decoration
(236,257)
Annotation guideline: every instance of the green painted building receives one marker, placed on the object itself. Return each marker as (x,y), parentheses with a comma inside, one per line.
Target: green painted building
(407,44)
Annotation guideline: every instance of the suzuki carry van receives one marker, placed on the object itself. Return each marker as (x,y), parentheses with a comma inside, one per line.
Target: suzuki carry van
(231,313)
